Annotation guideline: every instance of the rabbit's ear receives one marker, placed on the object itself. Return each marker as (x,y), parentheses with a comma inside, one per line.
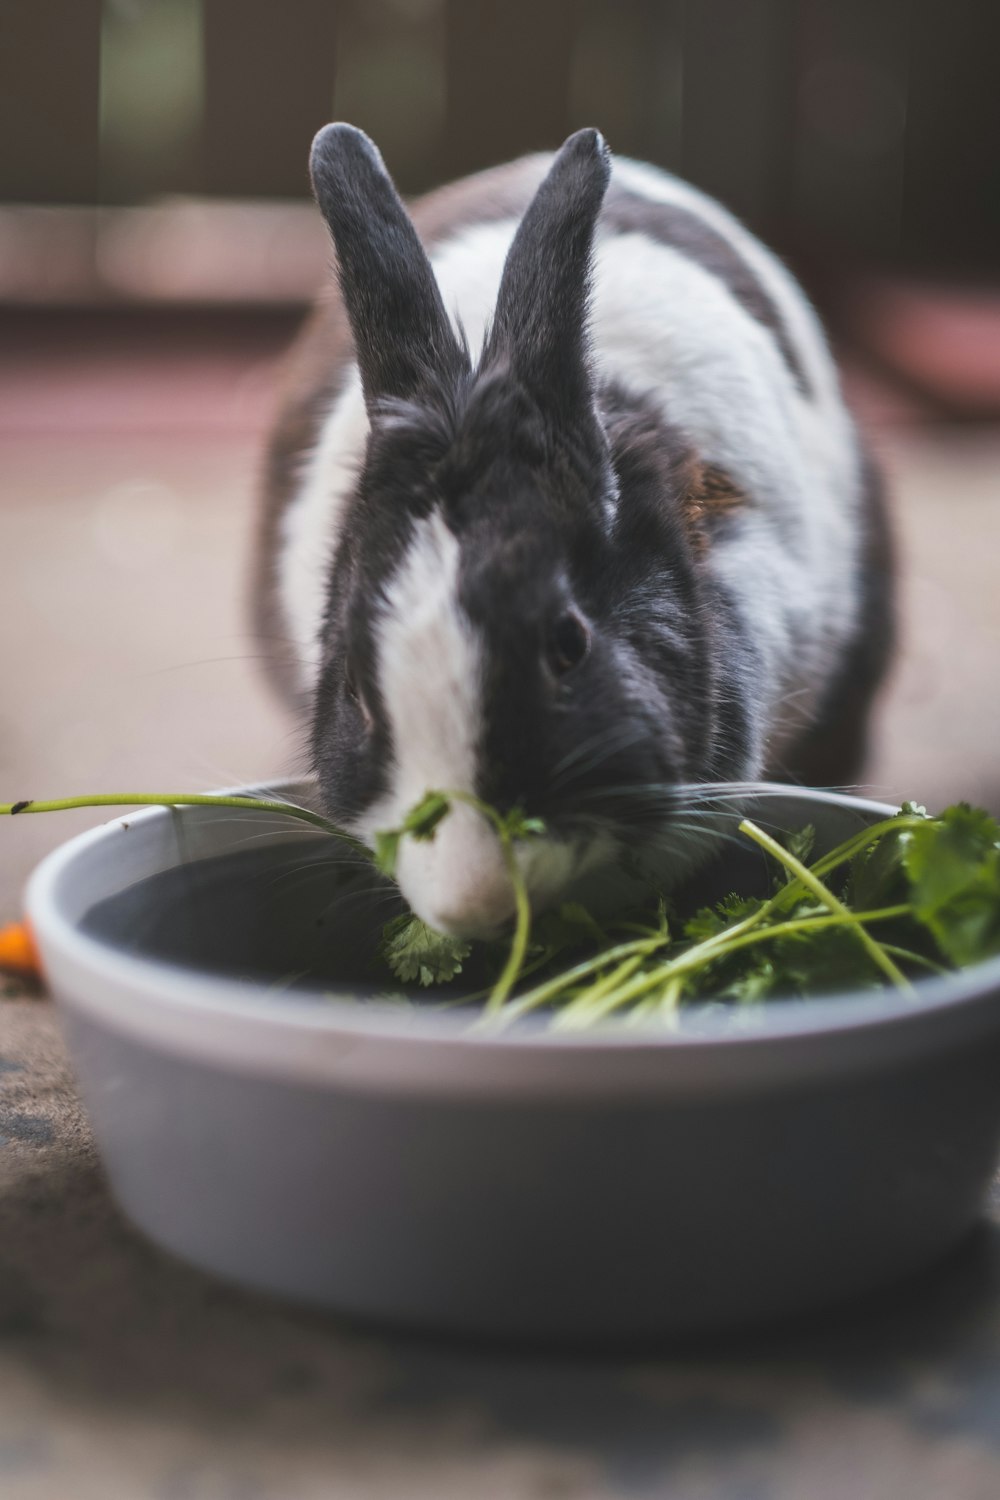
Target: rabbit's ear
(540,323)
(401,330)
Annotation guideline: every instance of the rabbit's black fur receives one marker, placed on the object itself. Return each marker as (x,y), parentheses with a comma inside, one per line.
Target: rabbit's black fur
(530,545)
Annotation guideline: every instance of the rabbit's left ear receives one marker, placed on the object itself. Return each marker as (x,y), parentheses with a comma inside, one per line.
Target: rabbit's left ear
(540,323)
(401,330)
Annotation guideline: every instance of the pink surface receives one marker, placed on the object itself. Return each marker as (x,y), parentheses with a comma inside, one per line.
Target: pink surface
(88,392)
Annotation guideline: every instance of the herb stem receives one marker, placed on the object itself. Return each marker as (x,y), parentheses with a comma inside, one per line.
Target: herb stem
(522,929)
(511,971)
(670,973)
(636,973)
(180,799)
(914,958)
(580,1008)
(551,988)
(866,838)
(815,886)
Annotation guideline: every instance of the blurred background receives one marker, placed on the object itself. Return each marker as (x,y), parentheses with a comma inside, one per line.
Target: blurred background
(157,251)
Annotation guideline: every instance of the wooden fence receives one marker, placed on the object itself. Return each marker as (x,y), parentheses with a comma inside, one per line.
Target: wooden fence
(869,125)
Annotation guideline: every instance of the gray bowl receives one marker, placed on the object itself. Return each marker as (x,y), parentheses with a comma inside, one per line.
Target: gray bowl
(622,1185)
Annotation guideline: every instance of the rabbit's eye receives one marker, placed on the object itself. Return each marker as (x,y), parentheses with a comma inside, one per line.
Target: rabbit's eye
(568,644)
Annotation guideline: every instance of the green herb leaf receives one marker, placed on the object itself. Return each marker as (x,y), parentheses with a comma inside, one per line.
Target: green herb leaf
(569,925)
(420,823)
(706,923)
(517,825)
(757,979)
(800,844)
(417,954)
(735,908)
(710,921)
(817,963)
(877,874)
(386,851)
(953,864)
(918,891)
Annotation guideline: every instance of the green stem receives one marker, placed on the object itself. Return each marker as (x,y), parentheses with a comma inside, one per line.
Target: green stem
(731,938)
(668,1003)
(569,1015)
(697,958)
(701,953)
(511,970)
(815,886)
(542,993)
(866,838)
(522,930)
(915,958)
(180,799)
(476,997)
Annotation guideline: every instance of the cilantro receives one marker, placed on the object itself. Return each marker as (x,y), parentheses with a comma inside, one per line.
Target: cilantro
(706,923)
(517,825)
(756,981)
(420,823)
(953,865)
(386,851)
(800,844)
(910,891)
(910,895)
(876,875)
(709,921)
(417,954)
(569,925)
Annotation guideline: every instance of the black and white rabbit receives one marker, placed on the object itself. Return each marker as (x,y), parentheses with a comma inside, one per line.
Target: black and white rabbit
(564,508)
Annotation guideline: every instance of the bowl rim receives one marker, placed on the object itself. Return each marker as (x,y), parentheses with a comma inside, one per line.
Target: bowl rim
(190,990)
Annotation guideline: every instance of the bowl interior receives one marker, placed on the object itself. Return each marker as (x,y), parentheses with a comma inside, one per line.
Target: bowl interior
(281,907)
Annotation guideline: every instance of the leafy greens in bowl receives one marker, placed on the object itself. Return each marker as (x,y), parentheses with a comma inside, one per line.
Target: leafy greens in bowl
(907,896)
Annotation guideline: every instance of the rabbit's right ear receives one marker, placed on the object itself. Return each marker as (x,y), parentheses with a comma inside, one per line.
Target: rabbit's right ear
(540,323)
(401,330)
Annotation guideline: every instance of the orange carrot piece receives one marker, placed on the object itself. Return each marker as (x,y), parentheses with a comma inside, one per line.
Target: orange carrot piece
(18,951)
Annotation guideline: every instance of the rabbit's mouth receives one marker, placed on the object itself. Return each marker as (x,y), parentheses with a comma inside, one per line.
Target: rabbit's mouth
(458,883)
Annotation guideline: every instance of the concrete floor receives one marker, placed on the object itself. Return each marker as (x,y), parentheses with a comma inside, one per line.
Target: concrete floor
(130,664)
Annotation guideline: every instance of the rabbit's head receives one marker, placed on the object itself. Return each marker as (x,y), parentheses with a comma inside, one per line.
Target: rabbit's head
(515,609)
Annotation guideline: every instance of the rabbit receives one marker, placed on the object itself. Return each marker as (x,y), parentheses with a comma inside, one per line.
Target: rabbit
(564,509)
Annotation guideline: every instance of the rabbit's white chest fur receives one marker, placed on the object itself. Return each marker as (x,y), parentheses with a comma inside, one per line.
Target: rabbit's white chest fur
(663,325)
